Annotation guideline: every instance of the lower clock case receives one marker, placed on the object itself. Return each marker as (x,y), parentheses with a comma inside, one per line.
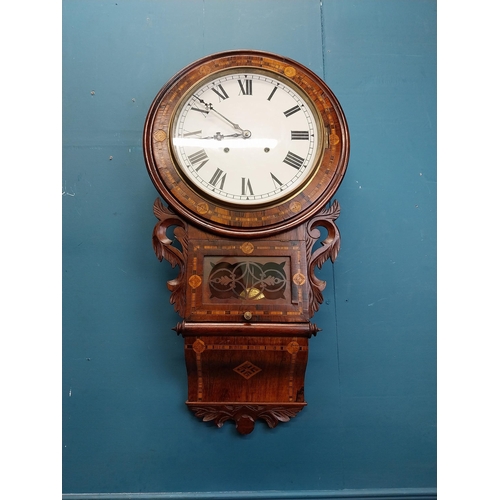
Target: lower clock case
(247,307)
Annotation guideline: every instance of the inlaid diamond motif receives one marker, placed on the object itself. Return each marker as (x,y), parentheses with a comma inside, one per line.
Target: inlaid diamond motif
(247,370)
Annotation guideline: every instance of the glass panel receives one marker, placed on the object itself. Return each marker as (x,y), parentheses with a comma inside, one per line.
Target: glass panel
(249,279)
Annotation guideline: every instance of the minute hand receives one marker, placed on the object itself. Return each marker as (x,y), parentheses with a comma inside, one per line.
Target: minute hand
(244,133)
(234,125)
(208,105)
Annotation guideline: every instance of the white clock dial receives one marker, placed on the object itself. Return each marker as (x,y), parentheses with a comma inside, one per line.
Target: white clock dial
(246,138)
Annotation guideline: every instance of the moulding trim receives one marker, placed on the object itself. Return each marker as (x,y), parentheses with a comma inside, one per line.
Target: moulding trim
(364,494)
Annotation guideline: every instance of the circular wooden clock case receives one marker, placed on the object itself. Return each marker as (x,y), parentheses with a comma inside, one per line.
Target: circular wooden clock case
(246,143)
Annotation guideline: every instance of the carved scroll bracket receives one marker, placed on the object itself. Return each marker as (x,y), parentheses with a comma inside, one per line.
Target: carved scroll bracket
(329,249)
(164,249)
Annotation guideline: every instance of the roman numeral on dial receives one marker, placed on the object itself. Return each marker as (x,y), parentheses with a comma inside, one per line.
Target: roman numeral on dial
(272,93)
(300,135)
(276,181)
(247,88)
(199,156)
(219,177)
(291,111)
(189,134)
(246,187)
(220,92)
(194,107)
(293,160)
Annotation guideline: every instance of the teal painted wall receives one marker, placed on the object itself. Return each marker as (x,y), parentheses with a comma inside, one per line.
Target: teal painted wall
(371,381)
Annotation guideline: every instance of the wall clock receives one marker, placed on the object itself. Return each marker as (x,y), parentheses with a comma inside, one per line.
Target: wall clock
(246,148)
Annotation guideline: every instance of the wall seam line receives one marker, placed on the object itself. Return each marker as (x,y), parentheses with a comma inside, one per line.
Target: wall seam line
(322,38)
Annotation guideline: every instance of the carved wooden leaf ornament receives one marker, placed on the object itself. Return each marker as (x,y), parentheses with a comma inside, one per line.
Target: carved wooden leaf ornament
(164,249)
(329,249)
(247,414)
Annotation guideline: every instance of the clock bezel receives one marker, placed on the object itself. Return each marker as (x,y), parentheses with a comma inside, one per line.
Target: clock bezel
(239,220)
(301,184)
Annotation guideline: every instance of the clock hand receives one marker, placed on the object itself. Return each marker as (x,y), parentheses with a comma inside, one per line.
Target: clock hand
(218,136)
(246,133)
(235,125)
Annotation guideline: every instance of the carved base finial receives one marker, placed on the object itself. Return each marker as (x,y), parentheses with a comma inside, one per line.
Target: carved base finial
(245,415)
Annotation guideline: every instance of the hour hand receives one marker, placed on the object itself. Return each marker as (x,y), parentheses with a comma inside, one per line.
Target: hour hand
(218,136)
